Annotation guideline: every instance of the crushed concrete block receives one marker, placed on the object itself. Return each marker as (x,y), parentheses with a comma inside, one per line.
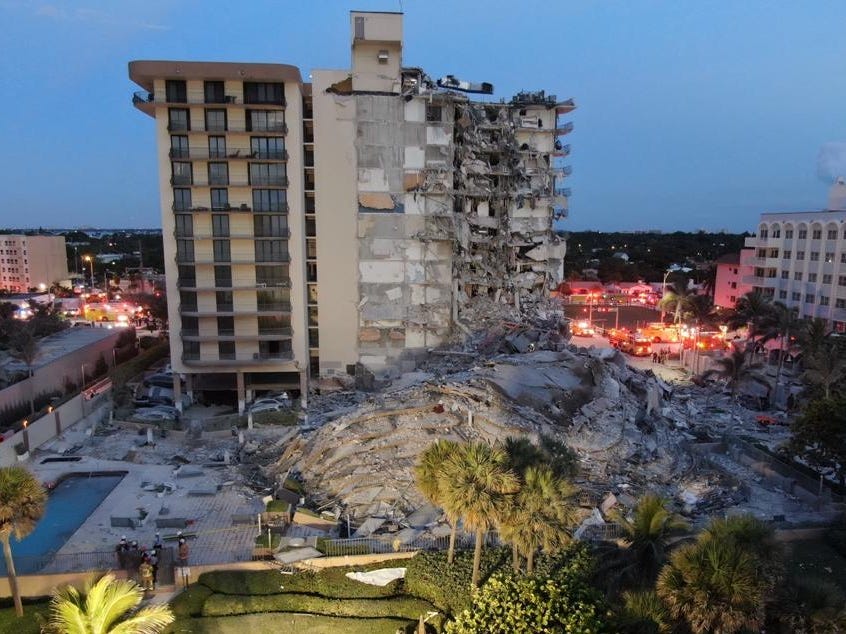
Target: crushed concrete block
(608,503)
(171,522)
(206,491)
(189,472)
(369,335)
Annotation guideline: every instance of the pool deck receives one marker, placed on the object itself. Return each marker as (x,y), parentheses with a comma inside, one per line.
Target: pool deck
(208,500)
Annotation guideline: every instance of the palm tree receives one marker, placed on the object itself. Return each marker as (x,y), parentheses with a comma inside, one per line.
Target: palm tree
(814,336)
(783,323)
(643,613)
(476,481)
(429,474)
(522,453)
(825,368)
(753,537)
(734,369)
(750,311)
(647,535)
(677,299)
(713,586)
(109,606)
(539,515)
(700,308)
(24,348)
(22,500)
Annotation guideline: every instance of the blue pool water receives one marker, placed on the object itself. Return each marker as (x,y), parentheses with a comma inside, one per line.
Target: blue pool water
(70,503)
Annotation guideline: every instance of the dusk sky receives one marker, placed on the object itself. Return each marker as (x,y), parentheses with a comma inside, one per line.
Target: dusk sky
(691,114)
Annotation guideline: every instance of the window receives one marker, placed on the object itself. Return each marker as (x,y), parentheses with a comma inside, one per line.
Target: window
(786,255)
(796,296)
(815,256)
(785,275)
(264,92)
(187,275)
(773,253)
(788,234)
(797,276)
(267,174)
(803,233)
(184,250)
(270,226)
(359,28)
(312,293)
(178,119)
(764,233)
(276,275)
(832,234)
(313,338)
(176,91)
(800,255)
(841,280)
(311,271)
(275,349)
(840,303)
(183,173)
(191,350)
(223,300)
(184,226)
(220,225)
(191,326)
(267,147)
(188,300)
(809,298)
(181,199)
(214,92)
(269,200)
(434,114)
(220,198)
(223,276)
(829,256)
(265,121)
(226,350)
(271,251)
(761,253)
(812,277)
(824,300)
(817,234)
(215,120)
(782,294)
(274,325)
(310,227)
(826,278)
(221,251)
(226,326)
(776,233)
(273,299)
(311,254)
(218,173)
(179,147)
(217,147)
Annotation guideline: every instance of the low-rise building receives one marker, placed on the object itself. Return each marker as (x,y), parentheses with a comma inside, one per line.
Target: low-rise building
(32,262)
(729,285)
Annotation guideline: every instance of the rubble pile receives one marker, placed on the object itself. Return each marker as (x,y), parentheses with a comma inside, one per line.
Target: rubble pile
(361,460)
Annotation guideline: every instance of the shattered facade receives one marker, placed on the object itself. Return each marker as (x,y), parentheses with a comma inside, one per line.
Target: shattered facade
(454,198)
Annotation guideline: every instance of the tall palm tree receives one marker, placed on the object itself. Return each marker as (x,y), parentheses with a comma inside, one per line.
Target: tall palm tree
(814,337)
(677,298)
(429,475)
(755,538)
(750,311)
(647,535)
(700,308)
(522,454)
(826,367)
(643,613)
(713,587)
(24,348)
(783,324)
(476,483)
(539,514)
(734,369)
(109,606)
(22,500)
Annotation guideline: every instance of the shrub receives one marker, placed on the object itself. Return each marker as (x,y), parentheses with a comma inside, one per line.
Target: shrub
(447,586)
(275,539)
(228,605)
(190,602)
(129,370)
(277,506)
(327,547)
(100,366)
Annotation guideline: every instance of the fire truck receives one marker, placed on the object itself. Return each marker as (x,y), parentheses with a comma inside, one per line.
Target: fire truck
(636,345)
(658,332)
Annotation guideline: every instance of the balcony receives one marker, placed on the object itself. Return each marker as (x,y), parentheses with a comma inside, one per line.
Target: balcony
(281,233)
(204,154)
(274,307)
(567,128)
(181,181)
(754,280)
(145,98)
(268,130)
(257,358)
(236,182)
(281,258)
(268,181)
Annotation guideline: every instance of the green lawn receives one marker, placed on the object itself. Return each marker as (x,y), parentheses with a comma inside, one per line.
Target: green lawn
(28,624)
(295,623)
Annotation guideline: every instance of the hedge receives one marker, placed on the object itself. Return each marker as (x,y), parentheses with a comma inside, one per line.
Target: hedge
(190,601)
(330,583)
(290,622)
(233,604)
(122,374)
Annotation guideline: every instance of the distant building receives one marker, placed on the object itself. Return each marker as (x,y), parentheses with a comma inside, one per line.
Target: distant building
(729,284)
(800,259)
(32,262)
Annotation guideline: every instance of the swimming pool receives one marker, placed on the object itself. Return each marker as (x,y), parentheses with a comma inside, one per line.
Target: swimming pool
(71,501)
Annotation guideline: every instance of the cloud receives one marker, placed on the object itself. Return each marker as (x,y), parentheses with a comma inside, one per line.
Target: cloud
(831,161)
(96,17)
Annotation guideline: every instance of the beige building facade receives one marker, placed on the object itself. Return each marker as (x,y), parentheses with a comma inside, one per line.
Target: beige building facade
(402,198)
(800,259)
(32,262)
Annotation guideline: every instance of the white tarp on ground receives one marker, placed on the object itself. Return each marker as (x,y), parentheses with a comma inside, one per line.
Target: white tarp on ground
(381,577)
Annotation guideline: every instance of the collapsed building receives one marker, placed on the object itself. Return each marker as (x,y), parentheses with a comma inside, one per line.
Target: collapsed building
(342,224)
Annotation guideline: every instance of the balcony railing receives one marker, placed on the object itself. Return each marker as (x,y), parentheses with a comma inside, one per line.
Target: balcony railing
(269,307)
(273,259)
(181,181)
(285,332)
(268,181)
(256,357)
(235,182)
(203,154)
(564,129)
(145,97)
(281,233)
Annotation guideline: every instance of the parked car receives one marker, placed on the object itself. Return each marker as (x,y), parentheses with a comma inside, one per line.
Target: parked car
(267,406)
(159,379)
(168,409)
(155,395)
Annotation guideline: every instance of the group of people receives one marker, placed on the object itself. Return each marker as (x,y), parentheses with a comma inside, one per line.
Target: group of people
(661,356)
(142,564)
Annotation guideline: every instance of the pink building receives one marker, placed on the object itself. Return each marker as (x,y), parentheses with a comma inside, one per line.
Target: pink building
(729,286)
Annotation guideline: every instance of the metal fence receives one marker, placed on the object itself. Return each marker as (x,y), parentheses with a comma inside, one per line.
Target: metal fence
(389,544)
(55,563)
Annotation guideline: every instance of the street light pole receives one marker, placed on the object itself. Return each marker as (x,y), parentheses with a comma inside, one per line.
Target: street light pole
(663,289)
